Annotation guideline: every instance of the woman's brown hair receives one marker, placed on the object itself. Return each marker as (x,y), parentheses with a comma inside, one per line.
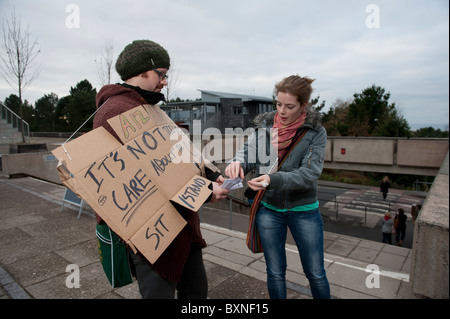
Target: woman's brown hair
(297,86)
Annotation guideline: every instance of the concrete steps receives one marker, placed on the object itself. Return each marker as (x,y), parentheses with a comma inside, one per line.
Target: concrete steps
(8,133)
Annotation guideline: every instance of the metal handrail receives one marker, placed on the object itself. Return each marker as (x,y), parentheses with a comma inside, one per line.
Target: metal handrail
(11,117)
(416,185)
(334,195)
(336,205)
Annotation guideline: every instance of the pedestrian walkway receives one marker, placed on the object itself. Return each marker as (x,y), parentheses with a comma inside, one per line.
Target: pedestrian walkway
(38,242)
(359,210)
(369,201)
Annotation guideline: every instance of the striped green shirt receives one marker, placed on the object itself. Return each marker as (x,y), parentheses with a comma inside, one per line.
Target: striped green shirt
(302,208)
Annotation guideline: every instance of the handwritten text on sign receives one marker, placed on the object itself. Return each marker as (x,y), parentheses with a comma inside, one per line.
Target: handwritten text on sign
(192,192)
(133,186)
(159,232)
(136,185)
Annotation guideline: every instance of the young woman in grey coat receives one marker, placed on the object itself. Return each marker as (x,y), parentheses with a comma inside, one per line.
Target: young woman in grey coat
(290,197)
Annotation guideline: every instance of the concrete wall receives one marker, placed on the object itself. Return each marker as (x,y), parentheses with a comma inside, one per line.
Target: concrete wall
(424,153)
(429,265)
(369,154)
(380,152)
(41,165)
(383,155)
(386,155)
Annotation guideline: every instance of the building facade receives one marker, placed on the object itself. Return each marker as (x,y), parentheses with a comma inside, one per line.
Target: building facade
(219,110)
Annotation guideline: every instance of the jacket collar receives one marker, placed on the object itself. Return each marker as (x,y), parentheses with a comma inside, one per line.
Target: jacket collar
(266,119)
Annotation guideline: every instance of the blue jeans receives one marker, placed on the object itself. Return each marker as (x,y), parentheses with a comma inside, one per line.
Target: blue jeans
(307,230)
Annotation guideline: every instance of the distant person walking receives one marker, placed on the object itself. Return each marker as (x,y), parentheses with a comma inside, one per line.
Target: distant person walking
(400,227)
(387,224)
(384,187)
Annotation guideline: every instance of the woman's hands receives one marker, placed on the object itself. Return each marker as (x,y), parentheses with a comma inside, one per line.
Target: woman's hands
(234,170)
(259,182)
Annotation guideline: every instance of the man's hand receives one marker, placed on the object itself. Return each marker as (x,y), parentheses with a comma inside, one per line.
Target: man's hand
(219,193)
(220,180)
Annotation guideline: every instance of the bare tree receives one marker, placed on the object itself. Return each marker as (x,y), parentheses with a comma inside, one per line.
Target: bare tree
(105,62)
(172,80)
(18,55)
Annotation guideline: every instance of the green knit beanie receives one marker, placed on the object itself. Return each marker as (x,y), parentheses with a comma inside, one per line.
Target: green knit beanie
(141,56)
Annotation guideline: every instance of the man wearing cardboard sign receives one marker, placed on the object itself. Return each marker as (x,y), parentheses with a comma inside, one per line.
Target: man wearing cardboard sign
(143,66)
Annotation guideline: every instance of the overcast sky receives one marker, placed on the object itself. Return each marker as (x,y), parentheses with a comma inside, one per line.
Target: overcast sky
(246,46)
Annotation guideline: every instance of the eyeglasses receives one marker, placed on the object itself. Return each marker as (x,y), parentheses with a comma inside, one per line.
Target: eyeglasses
(162,76)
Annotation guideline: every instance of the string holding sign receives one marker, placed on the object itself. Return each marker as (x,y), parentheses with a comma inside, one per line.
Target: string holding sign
(64,148)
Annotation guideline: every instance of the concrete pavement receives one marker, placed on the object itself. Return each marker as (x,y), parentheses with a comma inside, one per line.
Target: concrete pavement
(38,242)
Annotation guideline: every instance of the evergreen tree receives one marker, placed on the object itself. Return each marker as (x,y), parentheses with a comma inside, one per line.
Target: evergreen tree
(45,112)
(368,114)
(80,105)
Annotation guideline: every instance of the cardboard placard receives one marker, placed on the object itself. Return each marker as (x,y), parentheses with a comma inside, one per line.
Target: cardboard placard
(131,186)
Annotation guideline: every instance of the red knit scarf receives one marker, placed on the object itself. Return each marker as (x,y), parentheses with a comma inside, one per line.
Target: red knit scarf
(282,136)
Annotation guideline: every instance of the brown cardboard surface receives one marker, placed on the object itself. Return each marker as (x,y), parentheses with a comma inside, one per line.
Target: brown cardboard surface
(131,186)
